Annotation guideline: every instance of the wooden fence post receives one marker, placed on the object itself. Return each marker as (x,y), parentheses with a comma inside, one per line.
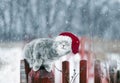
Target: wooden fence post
(23,78)
(112,70)
(40,76)
(65,72)
(24,70)
(27,69)
(83,71)
(97,72)
(117,77)
(27,75)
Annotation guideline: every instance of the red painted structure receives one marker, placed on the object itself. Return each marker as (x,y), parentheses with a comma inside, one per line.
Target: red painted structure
(43,76)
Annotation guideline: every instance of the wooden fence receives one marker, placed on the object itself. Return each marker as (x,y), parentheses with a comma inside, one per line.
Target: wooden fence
(29,76)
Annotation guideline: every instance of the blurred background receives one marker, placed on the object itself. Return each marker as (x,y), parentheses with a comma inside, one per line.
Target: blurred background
(25,20)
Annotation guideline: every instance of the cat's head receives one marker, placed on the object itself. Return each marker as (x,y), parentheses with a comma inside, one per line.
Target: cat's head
(62,44)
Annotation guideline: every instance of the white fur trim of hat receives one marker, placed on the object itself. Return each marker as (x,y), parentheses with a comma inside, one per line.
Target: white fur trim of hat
(63,38)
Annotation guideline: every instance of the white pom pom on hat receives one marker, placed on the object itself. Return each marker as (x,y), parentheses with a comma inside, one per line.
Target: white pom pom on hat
(75,41)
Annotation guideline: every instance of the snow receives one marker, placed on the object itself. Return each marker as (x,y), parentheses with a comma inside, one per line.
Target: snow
(114,59)
(10,67)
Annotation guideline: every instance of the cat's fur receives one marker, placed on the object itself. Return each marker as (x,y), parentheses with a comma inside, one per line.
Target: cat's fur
(43,51)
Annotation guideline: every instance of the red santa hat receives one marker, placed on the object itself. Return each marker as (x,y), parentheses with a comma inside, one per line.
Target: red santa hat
(75,41)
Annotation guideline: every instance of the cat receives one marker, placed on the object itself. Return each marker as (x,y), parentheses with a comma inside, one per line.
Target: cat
(44,51)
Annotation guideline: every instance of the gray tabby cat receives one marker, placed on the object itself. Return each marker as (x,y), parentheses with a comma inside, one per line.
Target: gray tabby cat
(44,51)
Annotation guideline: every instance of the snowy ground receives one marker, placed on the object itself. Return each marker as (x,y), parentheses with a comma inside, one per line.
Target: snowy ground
(9,65)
